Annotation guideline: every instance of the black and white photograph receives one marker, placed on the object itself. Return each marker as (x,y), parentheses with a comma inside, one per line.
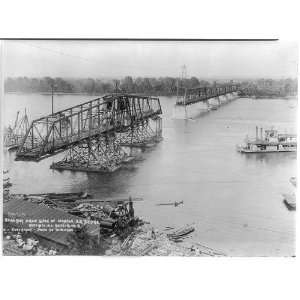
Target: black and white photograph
(149,147)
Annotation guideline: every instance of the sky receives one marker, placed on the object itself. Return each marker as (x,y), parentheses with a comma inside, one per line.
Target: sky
(116,59)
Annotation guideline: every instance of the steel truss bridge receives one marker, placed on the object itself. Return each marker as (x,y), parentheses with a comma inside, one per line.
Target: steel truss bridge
(93,133)
(203,94)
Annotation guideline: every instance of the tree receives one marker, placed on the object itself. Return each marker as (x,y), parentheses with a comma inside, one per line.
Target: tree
(194,82)
(127,84)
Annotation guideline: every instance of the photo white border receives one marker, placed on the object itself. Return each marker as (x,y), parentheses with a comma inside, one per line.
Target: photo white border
(150,277)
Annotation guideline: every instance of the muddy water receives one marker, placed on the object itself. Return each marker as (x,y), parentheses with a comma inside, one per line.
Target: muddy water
(233,200)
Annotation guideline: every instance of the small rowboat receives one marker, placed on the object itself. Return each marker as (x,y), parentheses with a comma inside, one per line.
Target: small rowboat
(181,233)
(289,205)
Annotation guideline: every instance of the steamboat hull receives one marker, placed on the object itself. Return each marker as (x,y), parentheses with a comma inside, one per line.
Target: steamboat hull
(266,151)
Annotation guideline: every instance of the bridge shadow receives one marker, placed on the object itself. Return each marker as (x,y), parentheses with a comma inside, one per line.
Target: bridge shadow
(107,185)
(200,114)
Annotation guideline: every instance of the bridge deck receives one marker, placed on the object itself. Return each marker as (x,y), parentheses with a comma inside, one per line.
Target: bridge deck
(55,133)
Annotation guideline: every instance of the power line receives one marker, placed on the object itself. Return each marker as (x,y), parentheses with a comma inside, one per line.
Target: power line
(57,52)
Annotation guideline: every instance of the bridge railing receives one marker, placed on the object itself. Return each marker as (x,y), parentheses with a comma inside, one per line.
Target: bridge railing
(54,133)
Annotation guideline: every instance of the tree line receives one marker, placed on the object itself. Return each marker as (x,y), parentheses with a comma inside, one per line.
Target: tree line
(270,88)
(162,86)
(156,86)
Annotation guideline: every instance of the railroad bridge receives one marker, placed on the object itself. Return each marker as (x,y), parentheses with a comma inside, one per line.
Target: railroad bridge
(203,94)
(92,133)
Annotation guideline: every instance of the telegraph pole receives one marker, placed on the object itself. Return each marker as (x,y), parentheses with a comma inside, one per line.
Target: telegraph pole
(52,87)
(52,111)
(183,76)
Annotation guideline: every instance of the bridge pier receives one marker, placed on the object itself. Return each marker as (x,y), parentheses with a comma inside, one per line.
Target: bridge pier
(224,99)
(215,103)
(100,154)
(143,135)
(229,97)
(106,153)
(206,102)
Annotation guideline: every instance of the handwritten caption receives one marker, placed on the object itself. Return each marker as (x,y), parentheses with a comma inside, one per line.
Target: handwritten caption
(23,223)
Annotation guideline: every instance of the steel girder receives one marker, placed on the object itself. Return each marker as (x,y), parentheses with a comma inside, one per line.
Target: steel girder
(54,133)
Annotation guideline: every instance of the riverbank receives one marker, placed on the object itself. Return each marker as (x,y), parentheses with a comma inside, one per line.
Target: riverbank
(144,241)
(147,241)
(137,238)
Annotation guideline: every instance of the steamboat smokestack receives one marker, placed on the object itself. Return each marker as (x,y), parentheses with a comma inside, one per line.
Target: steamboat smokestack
(256,132)
(261,133)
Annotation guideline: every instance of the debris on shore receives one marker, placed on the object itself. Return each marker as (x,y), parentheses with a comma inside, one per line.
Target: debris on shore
(6,185)
(68,221)
(115,230)
(17,244)
(177,235)
(145,241)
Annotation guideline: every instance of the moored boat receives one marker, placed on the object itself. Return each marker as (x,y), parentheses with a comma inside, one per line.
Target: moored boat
(272,141)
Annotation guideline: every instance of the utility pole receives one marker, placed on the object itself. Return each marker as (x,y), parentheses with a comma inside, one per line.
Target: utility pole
(52,112)
(52,87)
(183,76)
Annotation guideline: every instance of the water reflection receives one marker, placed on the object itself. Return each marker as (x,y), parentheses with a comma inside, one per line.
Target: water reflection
(270,158)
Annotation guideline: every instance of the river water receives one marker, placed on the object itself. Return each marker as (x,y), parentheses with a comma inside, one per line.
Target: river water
(233,200)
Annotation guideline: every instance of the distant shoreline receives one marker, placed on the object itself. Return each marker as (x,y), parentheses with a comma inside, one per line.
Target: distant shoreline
(84,94)
(49,93)
(148,94)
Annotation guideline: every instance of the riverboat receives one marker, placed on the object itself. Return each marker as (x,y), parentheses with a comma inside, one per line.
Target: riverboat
(271,141)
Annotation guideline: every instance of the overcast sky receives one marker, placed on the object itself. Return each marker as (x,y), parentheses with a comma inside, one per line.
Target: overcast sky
(98,59)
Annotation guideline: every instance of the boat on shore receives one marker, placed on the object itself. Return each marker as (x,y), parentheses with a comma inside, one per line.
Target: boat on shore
(271,141)
(180,233)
